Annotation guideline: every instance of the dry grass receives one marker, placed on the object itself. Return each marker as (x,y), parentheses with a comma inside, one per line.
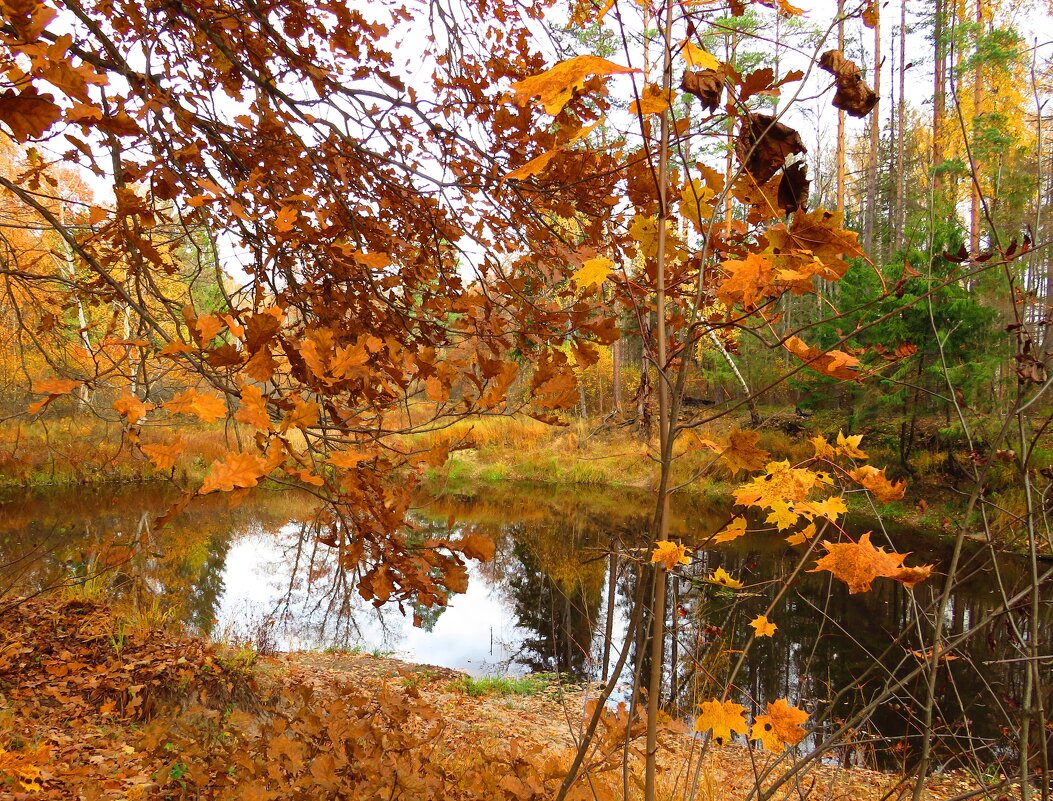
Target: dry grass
(86,450)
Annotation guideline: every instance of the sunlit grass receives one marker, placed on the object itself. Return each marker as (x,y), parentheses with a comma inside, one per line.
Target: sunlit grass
(501,686)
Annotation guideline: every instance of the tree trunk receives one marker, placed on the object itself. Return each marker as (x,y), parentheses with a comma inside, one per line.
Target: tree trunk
(870,234)
(938,93)
(900,218)
(974,206)
(839,154)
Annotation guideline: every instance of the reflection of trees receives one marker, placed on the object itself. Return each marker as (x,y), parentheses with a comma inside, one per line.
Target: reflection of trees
(105,545)
(560,620)
(830,643)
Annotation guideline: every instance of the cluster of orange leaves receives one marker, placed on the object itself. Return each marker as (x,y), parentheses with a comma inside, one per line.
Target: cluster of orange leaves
(790,495)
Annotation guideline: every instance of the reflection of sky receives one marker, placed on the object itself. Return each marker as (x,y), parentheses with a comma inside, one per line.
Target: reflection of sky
(476,633)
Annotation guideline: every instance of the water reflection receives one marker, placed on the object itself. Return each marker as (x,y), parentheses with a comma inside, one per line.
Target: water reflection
(256,573)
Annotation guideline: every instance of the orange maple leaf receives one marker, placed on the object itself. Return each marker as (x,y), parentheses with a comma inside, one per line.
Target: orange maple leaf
(857,564)
(763,626)
(781,726)
(876,481)
(556,86)
(747,283)
(670,554)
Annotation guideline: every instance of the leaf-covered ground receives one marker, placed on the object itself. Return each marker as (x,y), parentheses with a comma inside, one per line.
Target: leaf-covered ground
(88,711)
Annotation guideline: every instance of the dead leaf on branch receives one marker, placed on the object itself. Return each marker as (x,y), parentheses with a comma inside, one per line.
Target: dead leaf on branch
(28,113)
(764,144)
(793,187)
(853,95)
(706,85)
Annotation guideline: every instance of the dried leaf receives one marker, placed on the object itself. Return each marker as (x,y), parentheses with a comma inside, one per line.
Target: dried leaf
(833,363)
(853,95)
(764,144)
(706,85)
(28,113)
(793,187)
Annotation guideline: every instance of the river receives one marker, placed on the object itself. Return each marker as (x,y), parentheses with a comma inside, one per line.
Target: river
(253,573)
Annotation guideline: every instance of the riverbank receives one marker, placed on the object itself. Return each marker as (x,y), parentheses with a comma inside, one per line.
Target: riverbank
(491,451)
(504,451)
(90,710)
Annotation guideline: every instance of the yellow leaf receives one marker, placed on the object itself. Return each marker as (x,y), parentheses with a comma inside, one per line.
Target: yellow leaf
(830,508)
(849,446)
(781,483)
(593,271)
(720,576)
(763,626)
(781,726)
(823,449)
(802,536)
(732,531)
(695,203)
(556,86)
(670,554)
(782,515)
(699,59)
(652,100)
(722,718)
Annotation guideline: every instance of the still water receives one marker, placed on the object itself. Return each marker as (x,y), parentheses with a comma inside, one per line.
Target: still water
(254,573)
